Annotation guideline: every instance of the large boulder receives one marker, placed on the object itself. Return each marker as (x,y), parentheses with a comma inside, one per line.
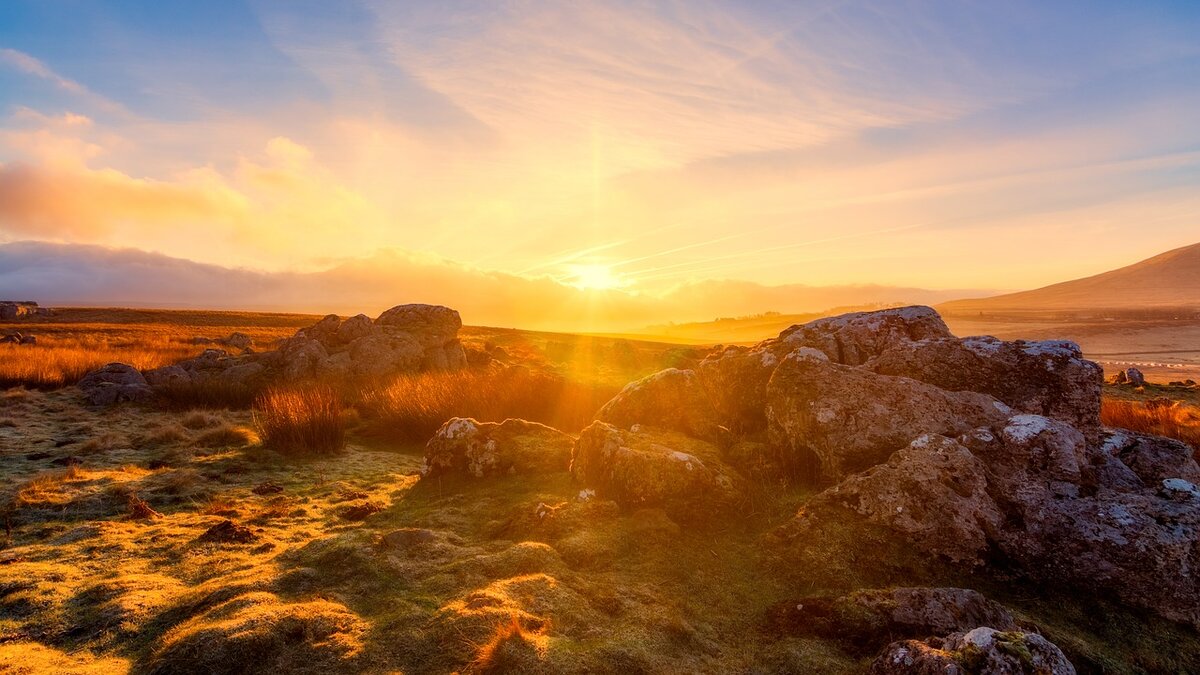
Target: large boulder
(483,449)
(980,651)
(431,325)
(114,383)
(1048,378)
(383,353)
(647,467)
(356,327)
(1152,458)
(167,375)
(832,420)
(853,339)
(932,494)
(734,381)
(669,399)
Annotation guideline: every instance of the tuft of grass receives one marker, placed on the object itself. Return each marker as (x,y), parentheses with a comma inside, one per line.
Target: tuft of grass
(200,420)
(1161,417)
(305,421)
(106,442)
(412,407)
(511,648)
(226,436)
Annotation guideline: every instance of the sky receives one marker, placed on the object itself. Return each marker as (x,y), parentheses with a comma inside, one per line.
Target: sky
(629,147)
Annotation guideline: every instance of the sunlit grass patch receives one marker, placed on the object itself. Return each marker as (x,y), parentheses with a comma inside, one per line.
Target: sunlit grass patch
(412,407)
(305,420)
(1161,417)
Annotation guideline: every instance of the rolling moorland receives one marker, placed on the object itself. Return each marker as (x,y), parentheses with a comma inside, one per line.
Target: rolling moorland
(240,500)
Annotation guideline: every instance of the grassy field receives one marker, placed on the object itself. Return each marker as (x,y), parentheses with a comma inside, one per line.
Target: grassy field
(72,342)
(297,534)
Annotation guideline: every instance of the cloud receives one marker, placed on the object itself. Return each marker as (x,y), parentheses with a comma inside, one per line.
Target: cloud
(72,274)
(35,67)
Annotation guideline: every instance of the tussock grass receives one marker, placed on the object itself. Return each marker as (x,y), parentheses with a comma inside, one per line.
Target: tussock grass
(305,421)
(226,436)
(412,407)
(1161,417)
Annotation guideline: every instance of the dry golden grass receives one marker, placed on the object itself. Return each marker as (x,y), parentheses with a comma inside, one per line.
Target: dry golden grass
(55,363)
(412,407)
(1161,417)
(301,421)
(226,436)
(74,342)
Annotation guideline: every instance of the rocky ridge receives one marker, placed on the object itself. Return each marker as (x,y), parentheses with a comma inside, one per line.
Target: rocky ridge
(405,338)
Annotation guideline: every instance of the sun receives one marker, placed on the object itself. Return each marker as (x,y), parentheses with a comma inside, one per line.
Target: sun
(593,277)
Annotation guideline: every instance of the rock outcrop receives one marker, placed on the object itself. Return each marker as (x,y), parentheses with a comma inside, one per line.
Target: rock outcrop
(483,449)
(976,451)
(18,309)
(407,338)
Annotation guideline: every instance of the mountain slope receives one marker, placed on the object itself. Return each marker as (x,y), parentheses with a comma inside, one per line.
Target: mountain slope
(1167,280)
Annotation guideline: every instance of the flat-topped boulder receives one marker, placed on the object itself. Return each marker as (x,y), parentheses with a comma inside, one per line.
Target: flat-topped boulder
(481,449)
(647,467)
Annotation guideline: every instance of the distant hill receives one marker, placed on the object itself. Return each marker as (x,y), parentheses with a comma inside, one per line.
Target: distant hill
(1167,281)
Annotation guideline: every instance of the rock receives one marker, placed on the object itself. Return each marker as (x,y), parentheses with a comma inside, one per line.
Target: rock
(431,325)
(669,399)
(1134,377)
(239,341)
(654,468)
(356,327)
(830,420)
(14,339)
(301,357)
(932,493)
(324,331)
(853,339)
(382,353)
(242,372)
(11,309)
(871,618)
(1035,492)
(482,449)
(1152,458)
(165,375)
(1120,378)
(735,382)
(114,383)
(981,651)
(1048,378)
(28,340)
